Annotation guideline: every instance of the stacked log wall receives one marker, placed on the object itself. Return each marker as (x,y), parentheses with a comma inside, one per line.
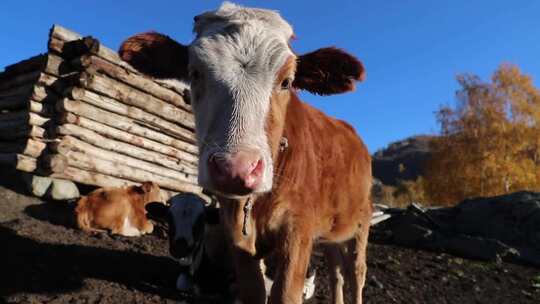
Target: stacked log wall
(80,113)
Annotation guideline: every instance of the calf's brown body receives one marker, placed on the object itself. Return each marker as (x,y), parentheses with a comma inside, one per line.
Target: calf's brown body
(321,194)
(242,71)
(119,210)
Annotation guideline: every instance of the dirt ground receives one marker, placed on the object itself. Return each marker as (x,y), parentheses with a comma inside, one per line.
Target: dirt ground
(45,259)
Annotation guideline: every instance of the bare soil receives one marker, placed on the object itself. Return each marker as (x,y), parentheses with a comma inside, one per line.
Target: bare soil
(45,259)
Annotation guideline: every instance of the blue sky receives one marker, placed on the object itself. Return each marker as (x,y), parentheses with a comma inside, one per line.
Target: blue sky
(412,50)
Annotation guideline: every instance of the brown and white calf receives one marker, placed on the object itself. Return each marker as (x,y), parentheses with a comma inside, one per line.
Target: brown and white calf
(288,176)
(119,210)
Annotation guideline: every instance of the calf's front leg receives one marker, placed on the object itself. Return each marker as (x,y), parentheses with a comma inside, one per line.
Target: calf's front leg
(249,279)
(294,252)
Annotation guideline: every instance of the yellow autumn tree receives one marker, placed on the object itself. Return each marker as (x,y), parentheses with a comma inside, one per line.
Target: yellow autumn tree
(490,140)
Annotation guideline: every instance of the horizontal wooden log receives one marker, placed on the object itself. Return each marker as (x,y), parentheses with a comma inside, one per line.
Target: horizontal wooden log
(63,33)
(23,67)
(29,147)
(19,97)
(17,91)
(23,132)
(127,137)
(23,117)
(117,107)
(137,98)
(177,86)
(70,143)
(59,163)
(129,125)
(88,45)
(97,179)
(139,116)
(19,161)
(123,148)
(25,104)
(94,64)
(44,110)
(57,66)
(18,80)
(31,78)
(59,36)
(49,63)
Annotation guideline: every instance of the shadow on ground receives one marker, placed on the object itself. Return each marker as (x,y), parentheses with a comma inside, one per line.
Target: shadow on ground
(34,267)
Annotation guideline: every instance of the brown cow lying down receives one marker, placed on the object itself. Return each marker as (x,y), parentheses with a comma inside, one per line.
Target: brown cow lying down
(119,210)
(287,175)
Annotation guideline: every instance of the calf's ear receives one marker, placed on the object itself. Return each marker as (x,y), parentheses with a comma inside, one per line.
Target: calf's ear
(147,186)
(156,55)
(328,71)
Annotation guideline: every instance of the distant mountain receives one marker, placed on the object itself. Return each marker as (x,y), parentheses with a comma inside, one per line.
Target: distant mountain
(401,160)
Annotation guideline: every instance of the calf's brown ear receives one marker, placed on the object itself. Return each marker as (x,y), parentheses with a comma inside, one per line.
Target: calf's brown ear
(156,55)
(328,71)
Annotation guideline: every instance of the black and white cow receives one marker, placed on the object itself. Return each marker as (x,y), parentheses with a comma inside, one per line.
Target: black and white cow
(197,242)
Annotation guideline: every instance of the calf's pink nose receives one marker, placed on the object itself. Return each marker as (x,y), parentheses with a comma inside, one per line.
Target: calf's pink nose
(236,173)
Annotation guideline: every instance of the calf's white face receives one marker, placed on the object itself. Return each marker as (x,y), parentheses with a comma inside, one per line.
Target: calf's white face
(233,64)
(241,68)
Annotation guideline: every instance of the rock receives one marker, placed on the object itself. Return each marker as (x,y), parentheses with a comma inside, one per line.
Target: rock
(40,185)
(64,190)
(505,227)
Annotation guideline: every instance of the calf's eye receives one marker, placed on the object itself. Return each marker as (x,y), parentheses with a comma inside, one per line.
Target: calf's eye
(286,84)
